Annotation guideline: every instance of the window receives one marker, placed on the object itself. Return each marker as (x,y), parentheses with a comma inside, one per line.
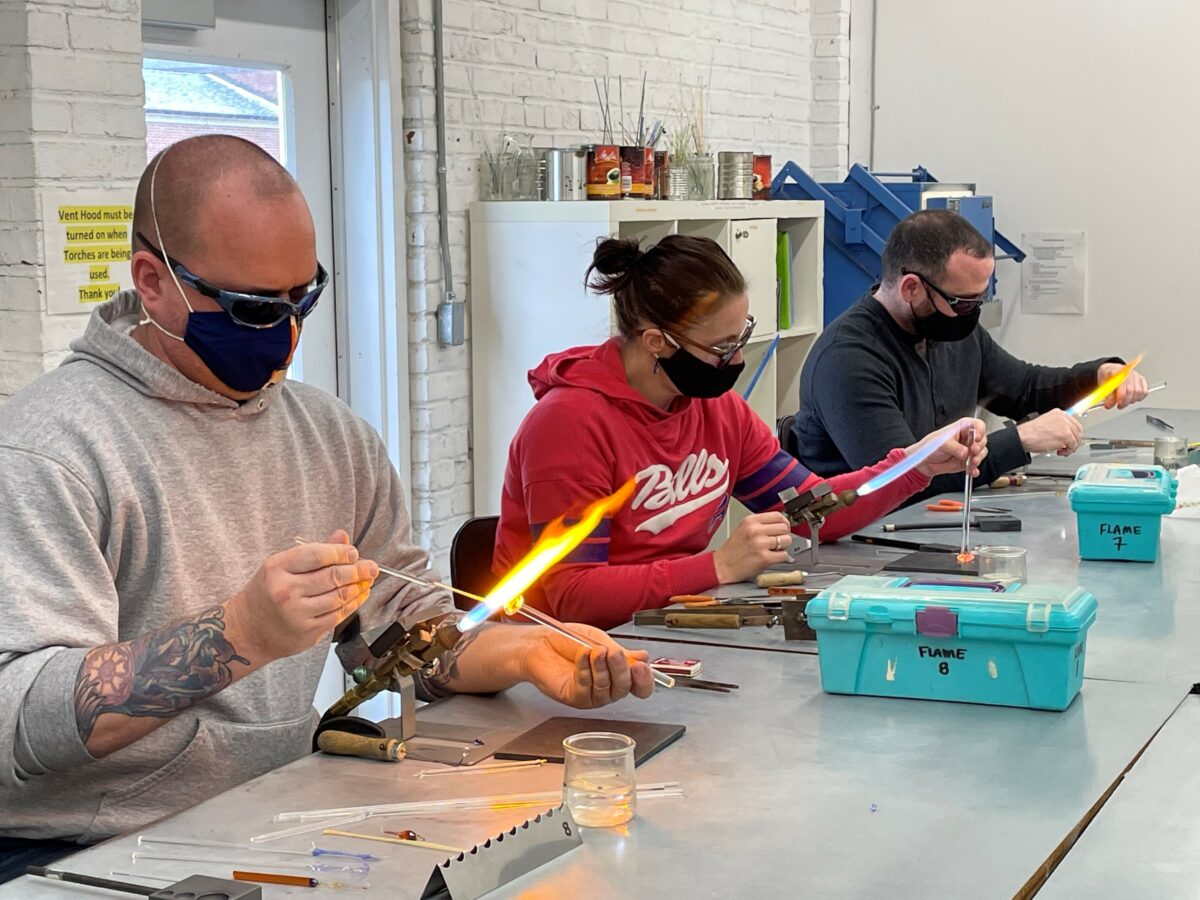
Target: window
(184,99)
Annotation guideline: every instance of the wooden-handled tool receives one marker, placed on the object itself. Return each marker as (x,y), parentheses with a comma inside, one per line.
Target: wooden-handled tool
(703,601)
(342,743)
(720,620)
(780,579)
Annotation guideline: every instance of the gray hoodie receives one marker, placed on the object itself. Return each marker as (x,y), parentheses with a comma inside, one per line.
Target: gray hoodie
(131,497)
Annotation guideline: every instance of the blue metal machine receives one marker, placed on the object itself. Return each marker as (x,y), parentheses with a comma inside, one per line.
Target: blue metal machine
(860,213)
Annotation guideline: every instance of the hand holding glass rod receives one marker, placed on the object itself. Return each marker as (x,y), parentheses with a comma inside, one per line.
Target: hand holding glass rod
(534,615)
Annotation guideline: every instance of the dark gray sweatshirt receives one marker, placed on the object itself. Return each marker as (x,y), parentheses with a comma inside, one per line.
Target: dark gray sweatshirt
(868,386)
(131,497)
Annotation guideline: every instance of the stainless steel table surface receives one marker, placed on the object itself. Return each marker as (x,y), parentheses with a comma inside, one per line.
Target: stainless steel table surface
(1148,625)
(788,792)
(1065,467)
(1132,425)
(1143,842)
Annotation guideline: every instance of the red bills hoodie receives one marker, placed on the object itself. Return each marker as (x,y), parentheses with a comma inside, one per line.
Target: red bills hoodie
(590,432)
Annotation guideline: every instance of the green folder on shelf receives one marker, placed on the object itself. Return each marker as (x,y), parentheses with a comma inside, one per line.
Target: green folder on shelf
(783,279)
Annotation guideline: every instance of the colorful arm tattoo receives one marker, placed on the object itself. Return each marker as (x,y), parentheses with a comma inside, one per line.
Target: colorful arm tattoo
(158,674)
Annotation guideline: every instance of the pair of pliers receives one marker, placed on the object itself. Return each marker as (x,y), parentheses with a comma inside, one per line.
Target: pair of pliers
(956,506)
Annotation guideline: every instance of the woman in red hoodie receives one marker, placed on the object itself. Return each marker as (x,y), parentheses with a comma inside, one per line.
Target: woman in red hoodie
(655,404)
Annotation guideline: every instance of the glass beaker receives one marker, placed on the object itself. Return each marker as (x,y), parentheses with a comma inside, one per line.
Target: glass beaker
(1004,564)
(599,786)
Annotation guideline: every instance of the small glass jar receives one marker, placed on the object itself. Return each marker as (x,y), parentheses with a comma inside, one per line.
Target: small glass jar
(599,785)
(1003,564)
(702,177)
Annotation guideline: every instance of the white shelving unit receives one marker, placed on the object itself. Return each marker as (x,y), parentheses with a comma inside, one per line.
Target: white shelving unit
(528,299)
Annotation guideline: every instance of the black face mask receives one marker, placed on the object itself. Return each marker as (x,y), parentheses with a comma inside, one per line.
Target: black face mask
(694,377)
(940,327)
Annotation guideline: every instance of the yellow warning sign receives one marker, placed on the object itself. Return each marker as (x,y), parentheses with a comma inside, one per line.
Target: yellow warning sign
(97,293)
(87,237)
(96,253)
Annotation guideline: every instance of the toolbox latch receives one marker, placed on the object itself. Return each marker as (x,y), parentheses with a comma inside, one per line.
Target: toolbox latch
(1037,617)
(937,621)
(839,607)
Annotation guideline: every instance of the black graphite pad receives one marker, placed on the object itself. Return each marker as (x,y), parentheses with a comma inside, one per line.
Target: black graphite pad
(544,741)
(933,564)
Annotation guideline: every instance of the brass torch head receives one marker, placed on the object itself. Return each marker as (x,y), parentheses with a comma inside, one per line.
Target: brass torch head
(447,635)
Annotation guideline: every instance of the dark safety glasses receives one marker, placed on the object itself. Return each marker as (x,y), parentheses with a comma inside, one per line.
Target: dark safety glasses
(724,352)
(961,305)
(251,310)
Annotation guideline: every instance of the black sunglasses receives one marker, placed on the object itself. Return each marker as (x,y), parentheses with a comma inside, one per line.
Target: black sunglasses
(961,305)
(251,310)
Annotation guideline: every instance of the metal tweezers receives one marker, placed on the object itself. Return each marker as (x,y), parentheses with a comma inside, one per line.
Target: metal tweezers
(698,683)
(1159,423)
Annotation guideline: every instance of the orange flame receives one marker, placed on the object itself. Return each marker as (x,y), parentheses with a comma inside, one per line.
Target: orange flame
(1106,387)
(556,541)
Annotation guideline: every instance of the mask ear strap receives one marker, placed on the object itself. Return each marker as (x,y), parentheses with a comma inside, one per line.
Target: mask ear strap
(158,236)
(146,320)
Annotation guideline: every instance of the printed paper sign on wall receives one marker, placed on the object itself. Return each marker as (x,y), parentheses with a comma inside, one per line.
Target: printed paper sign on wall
(1054,274)
(86,235)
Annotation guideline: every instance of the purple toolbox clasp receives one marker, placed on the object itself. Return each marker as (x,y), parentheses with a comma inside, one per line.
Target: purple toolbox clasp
(937,621)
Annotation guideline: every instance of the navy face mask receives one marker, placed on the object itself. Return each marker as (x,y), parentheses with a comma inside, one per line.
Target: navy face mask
(244,359)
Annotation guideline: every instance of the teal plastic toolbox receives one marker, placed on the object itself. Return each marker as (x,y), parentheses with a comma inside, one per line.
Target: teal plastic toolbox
(965,640)
(1119,509)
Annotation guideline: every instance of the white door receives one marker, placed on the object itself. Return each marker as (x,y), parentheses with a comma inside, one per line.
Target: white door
(261,74)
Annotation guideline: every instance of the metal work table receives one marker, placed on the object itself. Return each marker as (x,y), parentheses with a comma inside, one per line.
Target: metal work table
(1143,843)
(1131,425)
(788,791)
(1148,623)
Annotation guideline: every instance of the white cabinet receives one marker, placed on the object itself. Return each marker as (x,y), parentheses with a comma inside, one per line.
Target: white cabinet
(528,299)
(753,253)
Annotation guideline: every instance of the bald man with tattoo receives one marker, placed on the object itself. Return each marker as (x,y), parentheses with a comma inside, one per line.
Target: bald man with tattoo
(162,635)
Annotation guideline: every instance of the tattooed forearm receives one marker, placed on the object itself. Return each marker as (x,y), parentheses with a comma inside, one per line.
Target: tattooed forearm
(158,674)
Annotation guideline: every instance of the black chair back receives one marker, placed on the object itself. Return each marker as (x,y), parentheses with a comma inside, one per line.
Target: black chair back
(471,558)
(787,439)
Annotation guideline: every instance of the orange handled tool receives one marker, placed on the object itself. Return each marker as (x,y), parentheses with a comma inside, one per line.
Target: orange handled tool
(693,601)
(956,506)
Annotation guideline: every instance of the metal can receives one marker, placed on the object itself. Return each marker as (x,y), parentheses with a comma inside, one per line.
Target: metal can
(633,165)
(566,178)
(648,170)
(604,172)
(662,173)
(735,175)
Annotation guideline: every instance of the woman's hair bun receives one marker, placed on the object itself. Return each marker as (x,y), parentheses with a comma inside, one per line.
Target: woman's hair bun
(613,264)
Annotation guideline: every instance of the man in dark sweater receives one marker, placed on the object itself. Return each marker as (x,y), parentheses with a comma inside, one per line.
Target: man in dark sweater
(909,358)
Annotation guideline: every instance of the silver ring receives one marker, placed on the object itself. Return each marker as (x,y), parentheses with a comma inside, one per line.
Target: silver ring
(778,542)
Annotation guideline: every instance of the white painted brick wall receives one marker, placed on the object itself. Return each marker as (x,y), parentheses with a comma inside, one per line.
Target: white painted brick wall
(830,111)
(779,84)
(70,116)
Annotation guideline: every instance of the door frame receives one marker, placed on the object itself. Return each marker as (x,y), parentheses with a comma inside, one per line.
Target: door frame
(239,39)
